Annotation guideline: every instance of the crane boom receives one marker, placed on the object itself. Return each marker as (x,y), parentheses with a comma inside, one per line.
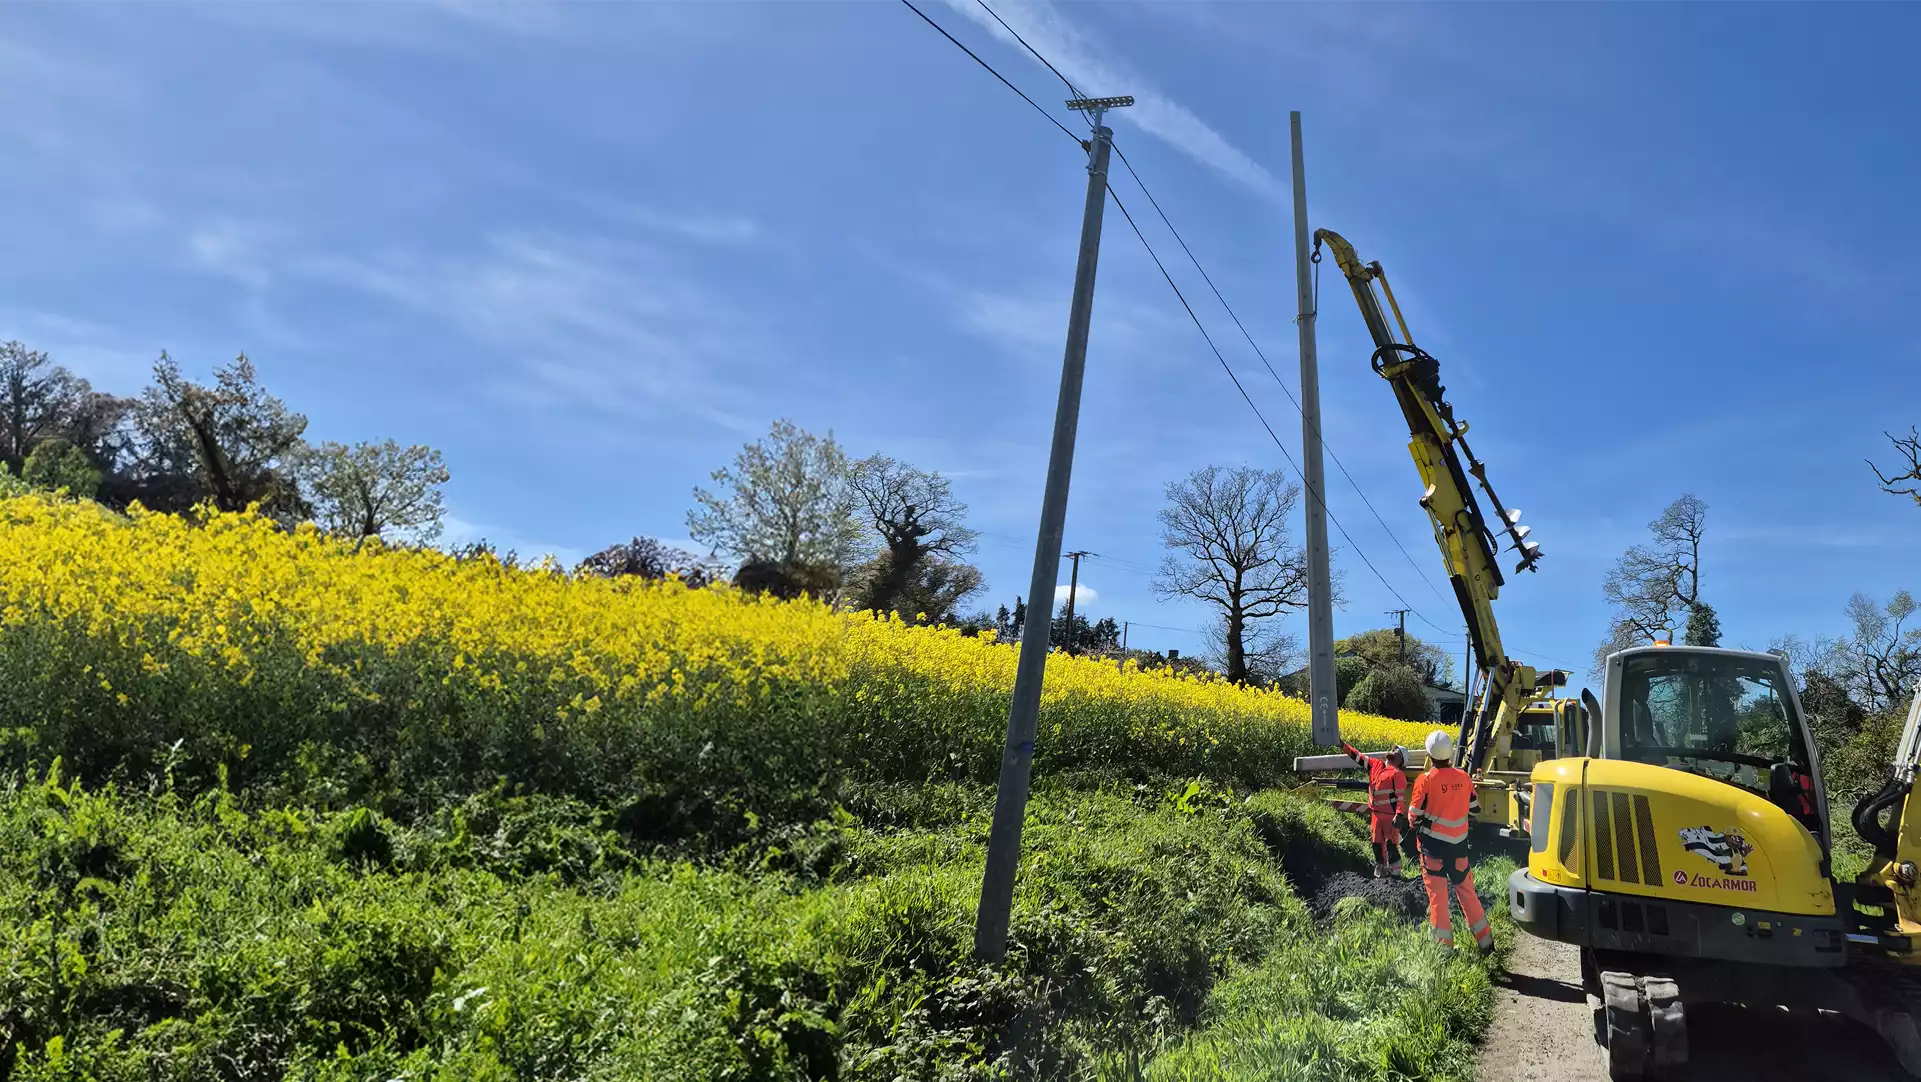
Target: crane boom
(1469,547)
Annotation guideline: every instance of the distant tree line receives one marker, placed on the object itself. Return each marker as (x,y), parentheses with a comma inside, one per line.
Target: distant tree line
(228,444)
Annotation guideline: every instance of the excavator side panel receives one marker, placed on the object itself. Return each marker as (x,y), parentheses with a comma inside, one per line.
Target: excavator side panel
(1634,857)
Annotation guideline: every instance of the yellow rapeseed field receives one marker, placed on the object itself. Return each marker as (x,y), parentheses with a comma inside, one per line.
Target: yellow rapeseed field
(126,641)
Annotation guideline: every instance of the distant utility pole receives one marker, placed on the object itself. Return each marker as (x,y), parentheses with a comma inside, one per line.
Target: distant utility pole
(1320,590)
(1023,714)
(1401,632)
(1123,663)
(1073,587)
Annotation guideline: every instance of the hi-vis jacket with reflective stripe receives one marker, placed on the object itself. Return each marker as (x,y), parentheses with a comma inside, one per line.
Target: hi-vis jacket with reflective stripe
(1386,785)
(1443,804)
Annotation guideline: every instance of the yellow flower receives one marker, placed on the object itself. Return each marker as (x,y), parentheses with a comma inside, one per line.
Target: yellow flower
(174,614)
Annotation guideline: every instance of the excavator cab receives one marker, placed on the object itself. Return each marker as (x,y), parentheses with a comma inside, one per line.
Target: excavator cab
(1729,716)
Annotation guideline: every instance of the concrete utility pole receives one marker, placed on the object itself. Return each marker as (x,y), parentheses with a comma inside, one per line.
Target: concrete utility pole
(1123,662)
(1400,633)
(1073,587)
(1023,714)
(1320,595)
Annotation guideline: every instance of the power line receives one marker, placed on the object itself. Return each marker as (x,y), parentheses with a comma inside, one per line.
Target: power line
(1160,627)
(1065,81)
(1342,466)
(990,70)
(1197,321)
(1229,369)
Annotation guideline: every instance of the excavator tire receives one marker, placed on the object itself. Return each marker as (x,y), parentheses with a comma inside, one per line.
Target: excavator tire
(1668,1021)
(1627,1030)
(1897,1028)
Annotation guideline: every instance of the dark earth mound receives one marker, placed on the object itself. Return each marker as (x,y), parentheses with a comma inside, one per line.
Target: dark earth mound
(1404,897)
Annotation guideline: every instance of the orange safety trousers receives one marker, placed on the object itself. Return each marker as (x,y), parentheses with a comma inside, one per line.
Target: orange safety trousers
(1444,866)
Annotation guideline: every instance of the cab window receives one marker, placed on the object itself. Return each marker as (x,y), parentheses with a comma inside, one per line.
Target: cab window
(1724,716)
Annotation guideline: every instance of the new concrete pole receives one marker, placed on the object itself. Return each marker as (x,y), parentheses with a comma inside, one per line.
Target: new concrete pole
(1320,598)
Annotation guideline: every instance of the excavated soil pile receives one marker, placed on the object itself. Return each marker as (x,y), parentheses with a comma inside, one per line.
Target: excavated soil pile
(1404,897)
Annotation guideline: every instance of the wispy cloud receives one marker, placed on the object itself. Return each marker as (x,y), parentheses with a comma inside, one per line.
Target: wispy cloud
(420,26)
(591,324)
(708,229)
(231,249)
(107,356)
(1019,324)
(1160,116)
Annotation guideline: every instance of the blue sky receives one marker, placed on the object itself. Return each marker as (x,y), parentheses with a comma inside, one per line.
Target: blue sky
(589,249)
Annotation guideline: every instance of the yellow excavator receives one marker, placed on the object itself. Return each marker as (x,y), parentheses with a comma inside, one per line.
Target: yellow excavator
(1678,831)
(1688,855)
(1515,721)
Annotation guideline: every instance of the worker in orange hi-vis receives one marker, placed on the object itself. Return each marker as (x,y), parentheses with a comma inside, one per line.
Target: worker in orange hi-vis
(1386,805)
(1442,807)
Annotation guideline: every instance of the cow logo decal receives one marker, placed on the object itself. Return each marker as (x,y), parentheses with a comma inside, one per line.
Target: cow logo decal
(1726,850)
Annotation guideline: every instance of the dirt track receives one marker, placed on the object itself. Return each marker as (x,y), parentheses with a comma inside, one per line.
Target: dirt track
(1544,1032)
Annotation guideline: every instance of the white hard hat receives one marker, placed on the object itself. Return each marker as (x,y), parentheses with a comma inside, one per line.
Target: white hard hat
(1397,754)
(1440,745)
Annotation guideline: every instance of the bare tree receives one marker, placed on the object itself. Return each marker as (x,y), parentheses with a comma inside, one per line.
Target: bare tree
(1267,651)
(922,526)
(375,489)
(1654,586)
(1228,536)
(1907,483)
(787,501)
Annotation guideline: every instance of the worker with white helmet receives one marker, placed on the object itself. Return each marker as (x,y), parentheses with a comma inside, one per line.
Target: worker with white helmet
(1441,807)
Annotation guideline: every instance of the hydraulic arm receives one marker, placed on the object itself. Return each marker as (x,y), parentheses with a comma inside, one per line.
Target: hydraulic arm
(1469,546)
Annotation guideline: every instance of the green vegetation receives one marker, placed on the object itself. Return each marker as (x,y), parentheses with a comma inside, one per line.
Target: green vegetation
(158,936)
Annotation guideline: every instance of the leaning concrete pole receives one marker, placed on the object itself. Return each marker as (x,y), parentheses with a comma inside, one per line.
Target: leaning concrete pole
(1023,713)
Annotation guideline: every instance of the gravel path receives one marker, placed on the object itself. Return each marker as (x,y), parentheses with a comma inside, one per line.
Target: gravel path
(1544,1032)
(1543,1027)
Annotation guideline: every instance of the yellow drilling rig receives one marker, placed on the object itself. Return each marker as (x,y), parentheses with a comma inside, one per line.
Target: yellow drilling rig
(1516,720)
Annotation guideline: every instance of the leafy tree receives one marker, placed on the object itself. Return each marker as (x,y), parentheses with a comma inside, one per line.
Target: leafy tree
(1382,647)
(1227,532)
(57,464)
(931,593)
(37,401)
(1393,691)
(787,501)
(1007,625)
(646,558)
(1908,481)
(1704,626)
(237,442)
(788,581)
(375,489)
(1653,585)
(1348,672)
(1101,637)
